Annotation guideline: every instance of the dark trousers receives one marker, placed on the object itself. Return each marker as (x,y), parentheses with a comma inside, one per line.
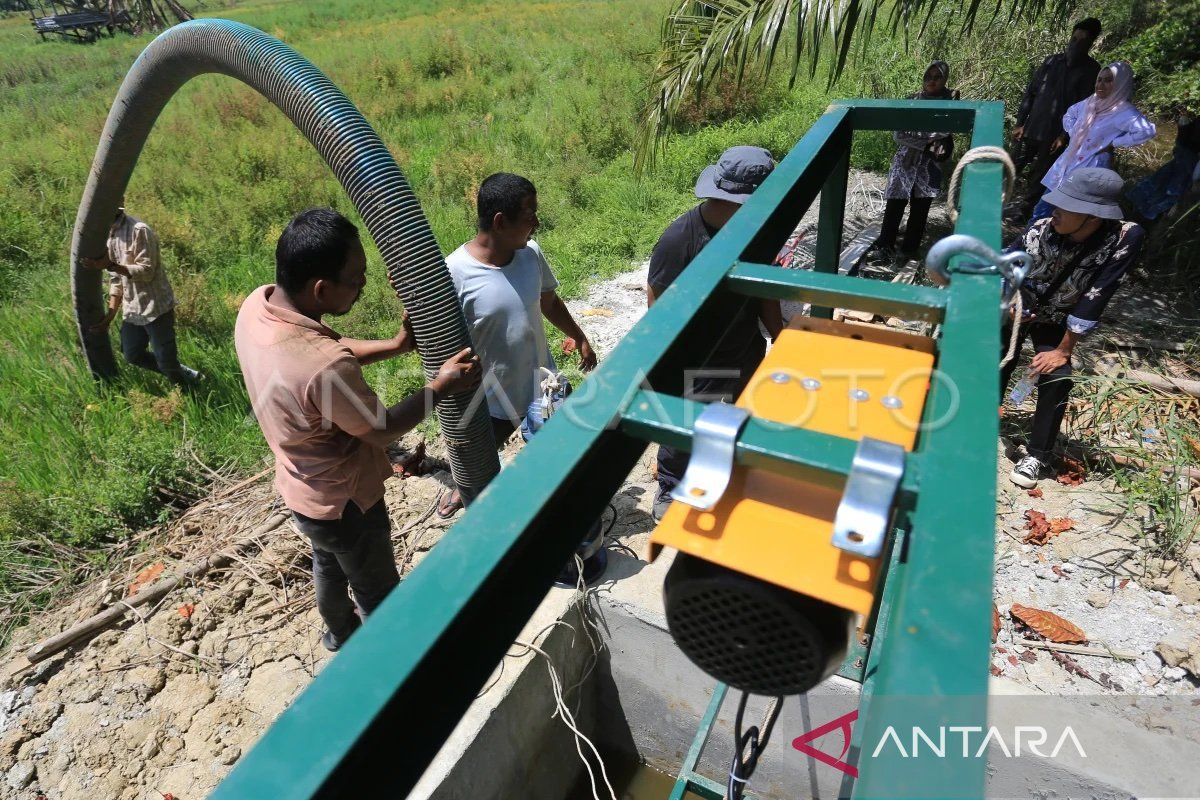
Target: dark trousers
(918,215)
(1039,157)
(673,463)
(356,552)
(1052,389)
(152,346)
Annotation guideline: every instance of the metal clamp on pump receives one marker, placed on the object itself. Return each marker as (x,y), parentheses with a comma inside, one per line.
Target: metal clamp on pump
(862,518)
(714,440)
(1011,266)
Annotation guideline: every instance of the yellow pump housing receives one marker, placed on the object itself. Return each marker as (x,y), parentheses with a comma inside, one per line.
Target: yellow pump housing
(779,529)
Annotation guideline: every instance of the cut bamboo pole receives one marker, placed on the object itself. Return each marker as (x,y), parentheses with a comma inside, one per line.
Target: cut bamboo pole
(115,613)
(1079,650)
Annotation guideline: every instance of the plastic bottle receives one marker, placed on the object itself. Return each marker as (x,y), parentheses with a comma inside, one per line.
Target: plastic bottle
(1024,388)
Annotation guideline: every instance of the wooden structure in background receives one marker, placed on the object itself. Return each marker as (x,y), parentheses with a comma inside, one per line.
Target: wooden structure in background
(88,20)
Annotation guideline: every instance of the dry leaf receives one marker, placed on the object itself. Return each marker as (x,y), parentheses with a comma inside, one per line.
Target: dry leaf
(596,312)
(144,577)
(1038,527)
(1012,660)
(1195,445)
(1057,570)
(995,622)
(1029,656)
(996,670)
(1124,582)
(1061,524)
(186,610)
(1071,472)
(1048,625)
(1034,493)
(569,345)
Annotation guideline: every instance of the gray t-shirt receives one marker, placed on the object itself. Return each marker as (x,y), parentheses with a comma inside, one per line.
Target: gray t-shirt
(504,317)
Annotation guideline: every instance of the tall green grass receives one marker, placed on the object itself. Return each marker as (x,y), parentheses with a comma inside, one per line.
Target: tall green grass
(458,89)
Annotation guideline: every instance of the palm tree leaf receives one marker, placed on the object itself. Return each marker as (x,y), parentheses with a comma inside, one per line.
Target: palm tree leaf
(703,40)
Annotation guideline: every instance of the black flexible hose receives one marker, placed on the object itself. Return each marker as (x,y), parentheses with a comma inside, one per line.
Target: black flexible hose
(360,161)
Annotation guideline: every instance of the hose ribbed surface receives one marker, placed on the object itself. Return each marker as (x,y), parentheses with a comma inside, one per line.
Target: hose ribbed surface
(353,150)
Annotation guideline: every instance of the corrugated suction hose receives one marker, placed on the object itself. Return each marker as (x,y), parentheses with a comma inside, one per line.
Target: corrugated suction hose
(360,161)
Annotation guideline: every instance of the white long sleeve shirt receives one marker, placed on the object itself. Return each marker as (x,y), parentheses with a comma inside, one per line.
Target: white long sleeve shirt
(1124,126)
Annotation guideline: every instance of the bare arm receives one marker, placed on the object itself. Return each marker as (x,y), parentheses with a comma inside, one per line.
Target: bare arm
(368,351)
(1051,360)
(114,305)
(461,373)
(651,296)
(555,310)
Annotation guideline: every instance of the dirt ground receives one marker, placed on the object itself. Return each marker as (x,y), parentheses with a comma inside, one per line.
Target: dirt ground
(169,700)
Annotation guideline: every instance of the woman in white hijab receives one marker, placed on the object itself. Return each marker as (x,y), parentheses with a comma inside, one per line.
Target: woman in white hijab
(1096,125)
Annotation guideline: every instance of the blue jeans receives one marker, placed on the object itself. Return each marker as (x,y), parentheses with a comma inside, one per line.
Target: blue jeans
(159,336)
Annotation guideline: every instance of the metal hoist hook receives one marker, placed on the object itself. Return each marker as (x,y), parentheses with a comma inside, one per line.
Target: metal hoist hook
(1012,267)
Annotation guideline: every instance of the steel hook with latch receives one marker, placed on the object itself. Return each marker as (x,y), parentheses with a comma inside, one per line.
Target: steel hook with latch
(1013,267)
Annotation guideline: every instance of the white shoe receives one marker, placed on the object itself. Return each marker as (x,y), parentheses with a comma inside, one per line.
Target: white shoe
(1028,471)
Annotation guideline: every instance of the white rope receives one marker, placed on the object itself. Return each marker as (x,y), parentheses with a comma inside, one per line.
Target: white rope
(986,153)
(1018,311)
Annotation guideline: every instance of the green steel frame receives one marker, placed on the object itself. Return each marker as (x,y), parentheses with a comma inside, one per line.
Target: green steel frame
(378,713)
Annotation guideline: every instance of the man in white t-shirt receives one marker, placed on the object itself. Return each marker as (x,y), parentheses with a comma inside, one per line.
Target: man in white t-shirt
(505,287)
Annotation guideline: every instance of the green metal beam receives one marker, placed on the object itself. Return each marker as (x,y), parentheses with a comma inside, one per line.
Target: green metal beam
(687,772)
(377,714)
(832,215)
(949,116)
(810,456)
(843,291)
(933,662)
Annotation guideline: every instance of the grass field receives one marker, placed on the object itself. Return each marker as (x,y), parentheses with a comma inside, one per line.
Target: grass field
(457,90)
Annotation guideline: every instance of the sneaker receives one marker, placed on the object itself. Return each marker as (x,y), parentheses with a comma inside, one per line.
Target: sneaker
(662,501)
(329,642)
(1028,471)
(191,376)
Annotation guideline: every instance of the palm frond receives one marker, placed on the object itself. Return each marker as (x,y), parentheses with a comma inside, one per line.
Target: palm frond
(702,40)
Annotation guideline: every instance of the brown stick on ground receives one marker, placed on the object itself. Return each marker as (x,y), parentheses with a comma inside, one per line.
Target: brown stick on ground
(115,613)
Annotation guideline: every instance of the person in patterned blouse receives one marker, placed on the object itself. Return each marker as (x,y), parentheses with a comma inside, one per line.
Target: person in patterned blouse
(915,177)
(1079,256)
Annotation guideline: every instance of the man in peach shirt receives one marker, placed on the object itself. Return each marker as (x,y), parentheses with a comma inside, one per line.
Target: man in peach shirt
(326,427)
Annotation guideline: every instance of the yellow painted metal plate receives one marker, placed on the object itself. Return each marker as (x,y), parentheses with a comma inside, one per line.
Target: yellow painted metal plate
(779,529)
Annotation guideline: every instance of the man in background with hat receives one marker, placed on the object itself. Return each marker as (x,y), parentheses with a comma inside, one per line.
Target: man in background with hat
(1079,256)
(722,187)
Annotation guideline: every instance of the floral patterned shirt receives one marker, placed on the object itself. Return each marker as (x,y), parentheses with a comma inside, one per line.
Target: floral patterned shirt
(1096,267)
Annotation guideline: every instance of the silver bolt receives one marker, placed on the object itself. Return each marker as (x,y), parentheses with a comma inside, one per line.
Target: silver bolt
(780,377)
(811,384)
(860,395)
(891,401)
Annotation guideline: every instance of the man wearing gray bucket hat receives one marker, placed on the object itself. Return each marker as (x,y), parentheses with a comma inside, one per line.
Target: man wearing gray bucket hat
(722,187)
(1080,254)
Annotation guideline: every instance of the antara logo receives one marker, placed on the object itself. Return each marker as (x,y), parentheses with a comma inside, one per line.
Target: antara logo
(1025,739)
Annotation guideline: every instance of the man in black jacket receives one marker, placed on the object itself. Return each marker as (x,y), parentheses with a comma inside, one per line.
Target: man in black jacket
(1062,80)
